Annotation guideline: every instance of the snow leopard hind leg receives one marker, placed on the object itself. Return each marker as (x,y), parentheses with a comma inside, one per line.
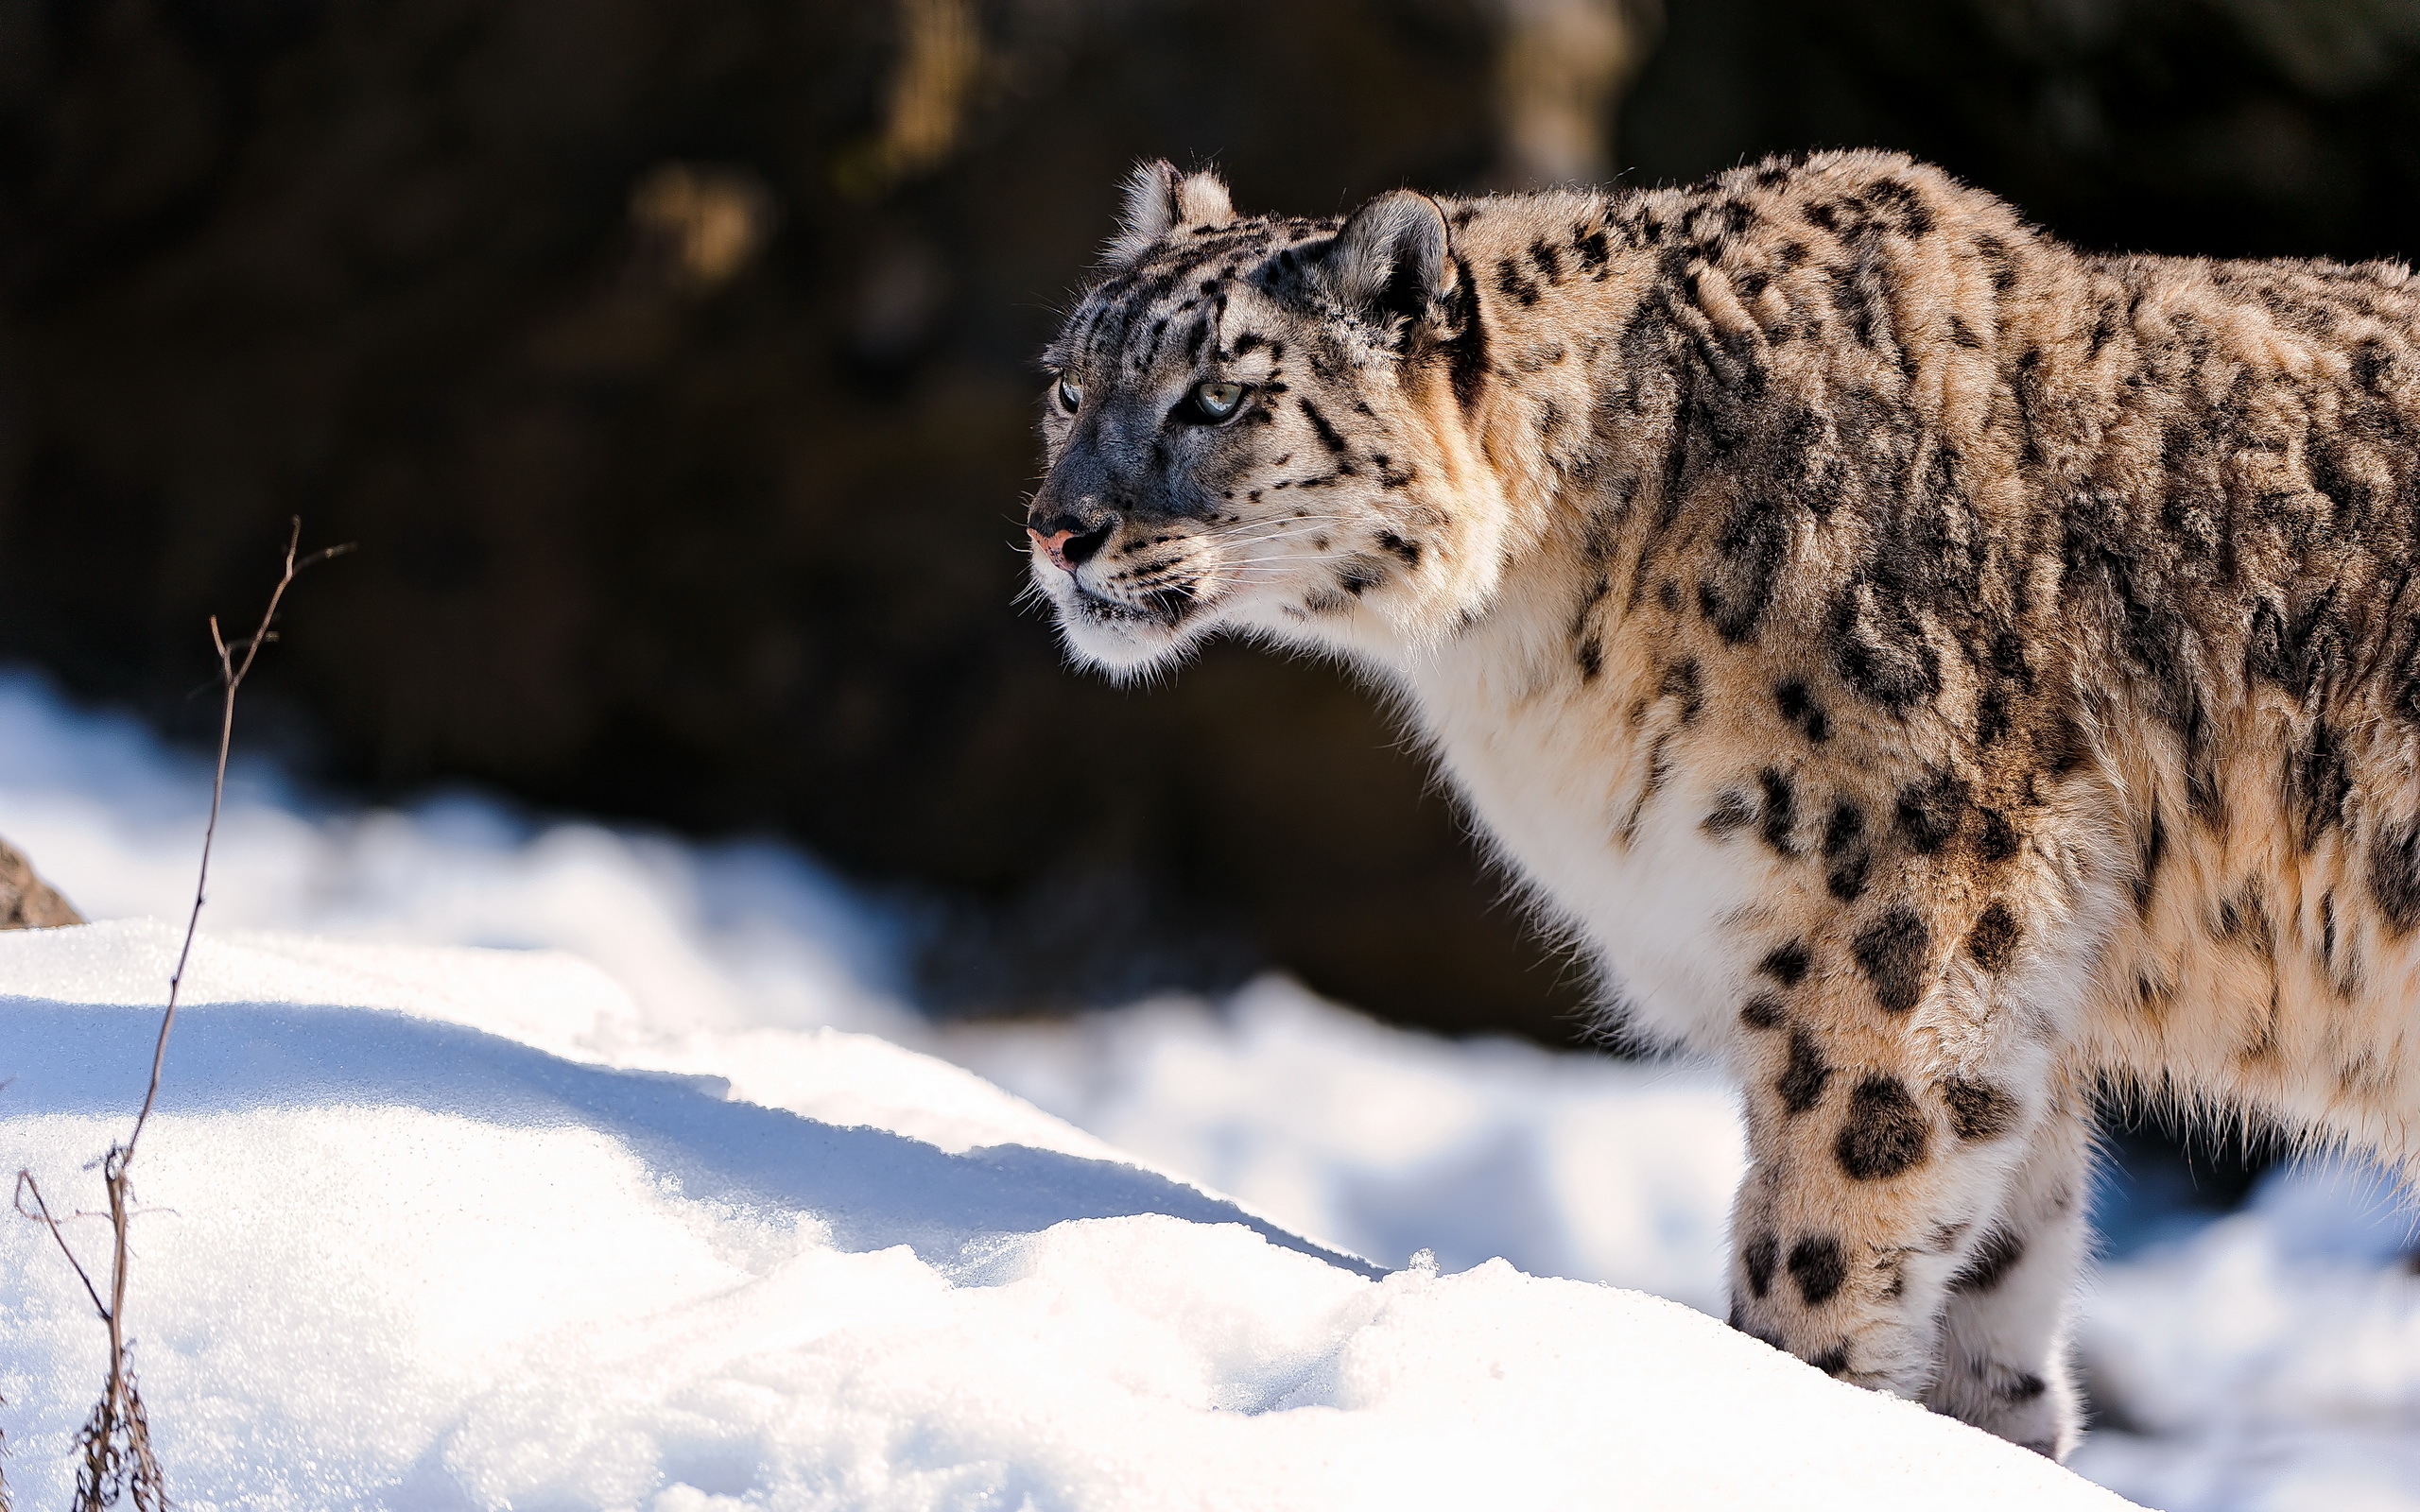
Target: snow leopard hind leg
(2003,1346)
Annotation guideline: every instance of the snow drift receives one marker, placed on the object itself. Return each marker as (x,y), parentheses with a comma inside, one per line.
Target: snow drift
(391,1258)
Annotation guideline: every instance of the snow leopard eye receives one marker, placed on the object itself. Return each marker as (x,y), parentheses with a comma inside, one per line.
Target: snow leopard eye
(1210,402)
(1071,393)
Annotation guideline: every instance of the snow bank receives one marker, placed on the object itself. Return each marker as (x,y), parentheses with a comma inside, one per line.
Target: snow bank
(390,1258)
(733,935)
(1390,1143)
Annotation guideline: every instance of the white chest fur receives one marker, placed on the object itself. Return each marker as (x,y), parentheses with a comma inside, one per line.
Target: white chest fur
(1586,806)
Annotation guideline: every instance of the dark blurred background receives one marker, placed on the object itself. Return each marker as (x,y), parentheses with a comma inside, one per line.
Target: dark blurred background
(670,362)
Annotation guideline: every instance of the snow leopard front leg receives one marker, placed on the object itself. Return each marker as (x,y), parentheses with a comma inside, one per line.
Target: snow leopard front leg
(1909,1137)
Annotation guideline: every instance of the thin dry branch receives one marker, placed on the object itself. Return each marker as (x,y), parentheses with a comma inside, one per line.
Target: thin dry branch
(230,675)
(41,1214)
(114,1445)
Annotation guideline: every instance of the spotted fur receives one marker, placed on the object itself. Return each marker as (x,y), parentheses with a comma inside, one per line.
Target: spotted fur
(1931,668)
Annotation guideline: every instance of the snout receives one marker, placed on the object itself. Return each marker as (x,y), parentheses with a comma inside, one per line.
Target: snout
(1068,541)
(1130,586)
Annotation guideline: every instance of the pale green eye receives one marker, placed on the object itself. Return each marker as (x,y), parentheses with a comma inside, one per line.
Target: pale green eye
(1071,393)
(1215,401)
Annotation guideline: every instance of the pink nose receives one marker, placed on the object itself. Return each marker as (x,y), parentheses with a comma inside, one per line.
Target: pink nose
(1068,541)
(1054,546)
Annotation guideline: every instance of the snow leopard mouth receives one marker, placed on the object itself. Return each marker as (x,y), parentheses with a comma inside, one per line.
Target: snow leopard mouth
(1101,611)
(1163,609)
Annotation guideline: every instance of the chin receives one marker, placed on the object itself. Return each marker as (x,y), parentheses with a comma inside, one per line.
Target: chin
(1124,652)
(1123,644)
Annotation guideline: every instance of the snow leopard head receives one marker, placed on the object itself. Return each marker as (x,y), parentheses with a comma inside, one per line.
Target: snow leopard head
(1262,424)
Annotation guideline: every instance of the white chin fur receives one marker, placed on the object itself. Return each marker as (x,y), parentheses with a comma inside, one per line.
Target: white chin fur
(1120,650)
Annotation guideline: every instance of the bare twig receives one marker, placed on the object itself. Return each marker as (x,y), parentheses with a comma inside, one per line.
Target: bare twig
(26,1184)
(115,1444)
(230,674)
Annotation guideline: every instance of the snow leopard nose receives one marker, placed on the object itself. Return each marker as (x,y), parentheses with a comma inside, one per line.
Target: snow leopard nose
(1069,541)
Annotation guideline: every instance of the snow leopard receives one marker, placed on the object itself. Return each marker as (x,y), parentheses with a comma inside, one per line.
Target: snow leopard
(1936,671)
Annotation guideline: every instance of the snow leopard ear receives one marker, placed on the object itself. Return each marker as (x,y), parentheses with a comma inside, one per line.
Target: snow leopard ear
(1392,259)
(1158,199)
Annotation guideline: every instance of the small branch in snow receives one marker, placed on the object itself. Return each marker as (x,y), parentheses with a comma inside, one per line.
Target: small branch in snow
(116,1441)
(230,675)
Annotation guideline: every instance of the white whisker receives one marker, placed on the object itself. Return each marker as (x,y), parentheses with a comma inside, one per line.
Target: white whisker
(1261,561)
(1283,535)
(1304,520)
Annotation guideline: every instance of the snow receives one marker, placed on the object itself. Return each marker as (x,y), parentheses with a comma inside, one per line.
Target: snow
(674,1203)
(391,1258)
(1391,1144)
(2271,1360)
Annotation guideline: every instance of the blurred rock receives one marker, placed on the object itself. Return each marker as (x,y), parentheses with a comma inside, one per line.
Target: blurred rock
(698,225)
(1561,68)
(27,901)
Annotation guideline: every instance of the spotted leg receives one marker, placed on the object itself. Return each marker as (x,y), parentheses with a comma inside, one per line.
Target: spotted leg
(2003,1361)
(1892,1114)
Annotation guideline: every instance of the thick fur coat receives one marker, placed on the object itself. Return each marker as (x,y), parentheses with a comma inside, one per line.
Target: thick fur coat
(1932,669)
